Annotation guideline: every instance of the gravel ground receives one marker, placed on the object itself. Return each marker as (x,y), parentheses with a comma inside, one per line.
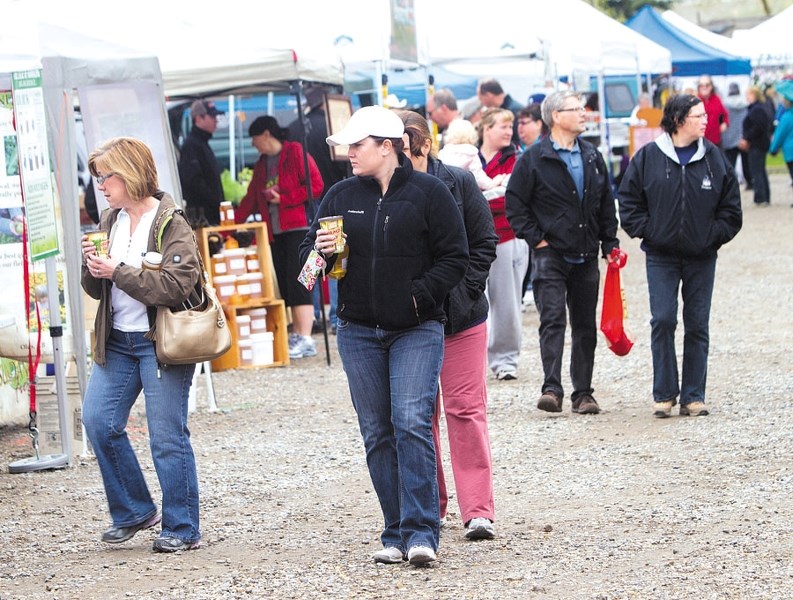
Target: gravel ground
(619,505)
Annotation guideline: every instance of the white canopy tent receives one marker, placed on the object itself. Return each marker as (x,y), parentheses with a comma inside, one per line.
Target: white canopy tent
(720,42)
(70,67)
(768,44)
(535,43)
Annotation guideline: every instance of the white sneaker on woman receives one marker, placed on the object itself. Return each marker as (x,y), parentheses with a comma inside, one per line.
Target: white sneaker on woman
(479,529)
(389,556)
(419,556)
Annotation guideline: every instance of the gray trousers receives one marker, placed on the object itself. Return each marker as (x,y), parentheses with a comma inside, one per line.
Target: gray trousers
(504,292)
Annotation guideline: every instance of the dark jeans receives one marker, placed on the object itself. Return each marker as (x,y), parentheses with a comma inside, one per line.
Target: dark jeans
(665,274)
(762,191)
(732,156)
(559,287)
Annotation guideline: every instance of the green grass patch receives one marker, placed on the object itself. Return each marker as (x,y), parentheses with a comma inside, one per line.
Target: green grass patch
(775,164)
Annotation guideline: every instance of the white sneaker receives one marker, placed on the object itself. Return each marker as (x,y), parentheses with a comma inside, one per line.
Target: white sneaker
(479,529)
(389,556)
(304,346)
(418,556)
(506,374)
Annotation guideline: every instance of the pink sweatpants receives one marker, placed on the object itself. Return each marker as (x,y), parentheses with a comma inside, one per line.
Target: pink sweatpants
(463,391)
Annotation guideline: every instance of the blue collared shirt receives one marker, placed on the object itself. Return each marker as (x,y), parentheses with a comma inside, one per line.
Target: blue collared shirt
(575,165)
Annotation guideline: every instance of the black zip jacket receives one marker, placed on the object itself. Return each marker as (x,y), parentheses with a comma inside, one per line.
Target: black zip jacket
(199,174)
(688,211)
(542,202)
(407,249)
(466,305)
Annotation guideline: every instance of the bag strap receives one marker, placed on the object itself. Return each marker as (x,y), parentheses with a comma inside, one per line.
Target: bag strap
(161,225)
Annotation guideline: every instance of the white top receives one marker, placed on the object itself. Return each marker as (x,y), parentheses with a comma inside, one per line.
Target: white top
(129,314)
(466,156)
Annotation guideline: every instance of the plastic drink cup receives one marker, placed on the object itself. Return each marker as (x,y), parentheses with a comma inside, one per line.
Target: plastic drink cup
(335,224)
(99,240)
(152,261)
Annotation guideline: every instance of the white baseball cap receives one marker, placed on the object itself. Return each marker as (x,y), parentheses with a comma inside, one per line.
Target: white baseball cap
(369,120)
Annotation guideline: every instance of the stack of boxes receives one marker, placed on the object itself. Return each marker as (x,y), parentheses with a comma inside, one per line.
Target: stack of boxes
(238,281)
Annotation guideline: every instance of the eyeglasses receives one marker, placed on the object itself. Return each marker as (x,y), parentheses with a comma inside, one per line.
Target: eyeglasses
(578,109)
(699,116)
(100,179)
(525,121)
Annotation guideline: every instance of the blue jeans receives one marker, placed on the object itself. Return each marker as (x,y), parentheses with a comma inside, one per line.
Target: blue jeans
(561,287)
(393,379)
(333,291)
(665,274)
(762,190)
(112,390)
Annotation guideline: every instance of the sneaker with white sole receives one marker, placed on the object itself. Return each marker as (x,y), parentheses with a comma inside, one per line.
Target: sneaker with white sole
(507,374)
(389,556)
(418,556)
(479,529)
(304,346)
(693,409)
(663,409)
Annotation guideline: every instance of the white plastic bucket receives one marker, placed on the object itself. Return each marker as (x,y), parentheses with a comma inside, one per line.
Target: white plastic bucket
(262,346)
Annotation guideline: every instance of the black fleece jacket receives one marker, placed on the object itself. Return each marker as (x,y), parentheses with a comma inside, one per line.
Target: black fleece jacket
(407,249)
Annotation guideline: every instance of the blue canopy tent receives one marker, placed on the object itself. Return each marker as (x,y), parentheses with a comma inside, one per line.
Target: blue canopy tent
(690,57)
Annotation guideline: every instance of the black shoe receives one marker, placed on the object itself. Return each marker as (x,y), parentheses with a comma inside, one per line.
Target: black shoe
(317,327)
(172,544)
(117,535)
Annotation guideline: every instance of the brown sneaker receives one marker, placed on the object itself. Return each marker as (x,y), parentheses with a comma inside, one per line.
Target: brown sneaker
(585,404)
(693,409)
(663,409)
(550,401)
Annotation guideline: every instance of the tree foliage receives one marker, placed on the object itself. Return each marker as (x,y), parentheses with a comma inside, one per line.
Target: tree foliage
(622,10)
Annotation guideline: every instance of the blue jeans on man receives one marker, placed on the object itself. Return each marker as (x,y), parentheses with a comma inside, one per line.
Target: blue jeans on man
(693,278)
(560,287)
(111,392)
(393,380)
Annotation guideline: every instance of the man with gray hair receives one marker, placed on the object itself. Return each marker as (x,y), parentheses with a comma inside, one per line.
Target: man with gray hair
(559,200)
(442,110)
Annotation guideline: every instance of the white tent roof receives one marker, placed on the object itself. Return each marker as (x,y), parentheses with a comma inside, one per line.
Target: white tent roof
(768,44)
(584,40)
(200,56)
(720,42)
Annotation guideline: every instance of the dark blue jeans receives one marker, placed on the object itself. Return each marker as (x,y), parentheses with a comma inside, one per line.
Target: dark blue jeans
(112,391)
(561,287)
(666,275)
(762,190)
(393,379)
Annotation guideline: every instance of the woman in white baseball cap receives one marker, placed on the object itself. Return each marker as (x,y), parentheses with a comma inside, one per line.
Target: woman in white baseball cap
(407,250)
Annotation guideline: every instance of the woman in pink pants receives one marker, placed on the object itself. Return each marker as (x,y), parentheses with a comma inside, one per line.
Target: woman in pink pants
(463,389)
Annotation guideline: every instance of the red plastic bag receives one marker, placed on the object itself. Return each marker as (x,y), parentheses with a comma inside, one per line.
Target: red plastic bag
(615,311)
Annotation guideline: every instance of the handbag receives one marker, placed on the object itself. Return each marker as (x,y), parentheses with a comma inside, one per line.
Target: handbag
(614,310)
(190,334)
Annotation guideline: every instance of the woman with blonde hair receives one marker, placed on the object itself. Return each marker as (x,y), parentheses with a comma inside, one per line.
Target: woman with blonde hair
(140,219)
(505,283)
